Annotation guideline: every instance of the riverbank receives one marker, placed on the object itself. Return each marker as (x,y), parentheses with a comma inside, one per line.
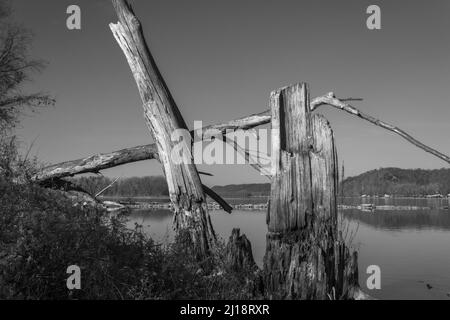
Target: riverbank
(372,208)
(261,204)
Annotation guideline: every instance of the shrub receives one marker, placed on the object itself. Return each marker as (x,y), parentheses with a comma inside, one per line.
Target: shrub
(42,233)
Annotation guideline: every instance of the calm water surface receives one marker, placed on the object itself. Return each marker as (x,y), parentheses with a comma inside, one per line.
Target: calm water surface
(412,248)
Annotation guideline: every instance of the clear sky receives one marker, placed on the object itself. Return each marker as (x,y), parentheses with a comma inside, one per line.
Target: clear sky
(221,59)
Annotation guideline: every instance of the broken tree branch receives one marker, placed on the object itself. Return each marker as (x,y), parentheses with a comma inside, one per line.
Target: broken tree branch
(106,188)
(213,195)
(249,158)
(331,100)
(99,162)
(95,163)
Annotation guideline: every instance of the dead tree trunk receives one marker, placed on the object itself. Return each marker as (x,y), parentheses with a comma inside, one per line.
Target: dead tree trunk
(163,117)
(304,257)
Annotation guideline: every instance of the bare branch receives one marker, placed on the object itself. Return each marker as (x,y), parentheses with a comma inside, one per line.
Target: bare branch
(225,206)
(248,157)
(205,173)
(331,100)
(95,163)
(106,188)
(244,123)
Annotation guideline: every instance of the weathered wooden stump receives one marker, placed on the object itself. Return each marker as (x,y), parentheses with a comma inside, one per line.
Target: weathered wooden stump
(239,259)
(305,259)
(238,252)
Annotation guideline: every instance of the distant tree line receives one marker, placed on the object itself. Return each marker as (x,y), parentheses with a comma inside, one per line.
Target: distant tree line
(395,181)
(392,181)
(152,186)
(243,190)
(125,187)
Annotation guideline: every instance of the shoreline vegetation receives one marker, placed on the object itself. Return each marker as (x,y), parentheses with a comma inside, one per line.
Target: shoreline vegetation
(43,231)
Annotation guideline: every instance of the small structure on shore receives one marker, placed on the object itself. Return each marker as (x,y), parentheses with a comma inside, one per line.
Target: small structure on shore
(368,207)
(372,208)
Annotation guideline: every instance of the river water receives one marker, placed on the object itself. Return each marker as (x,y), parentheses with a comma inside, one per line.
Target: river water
(412,248)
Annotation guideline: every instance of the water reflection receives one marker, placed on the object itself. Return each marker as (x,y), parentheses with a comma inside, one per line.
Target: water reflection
(412,248)
(436,217)
(397,220)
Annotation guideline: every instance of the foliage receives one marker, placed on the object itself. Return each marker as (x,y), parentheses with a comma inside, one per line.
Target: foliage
(125,187)
(15,70)
(178,275)
(13,166)
(395,181)
(43,231)
(244,190)
(40,238)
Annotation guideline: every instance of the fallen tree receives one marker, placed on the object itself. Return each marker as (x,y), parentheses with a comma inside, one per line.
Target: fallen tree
(51,176)
(95,163)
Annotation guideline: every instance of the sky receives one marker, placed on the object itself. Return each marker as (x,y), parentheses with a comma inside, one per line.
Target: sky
(221,60)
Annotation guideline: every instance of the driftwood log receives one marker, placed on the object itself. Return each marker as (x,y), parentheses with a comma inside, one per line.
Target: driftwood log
(305,258)
(163,118)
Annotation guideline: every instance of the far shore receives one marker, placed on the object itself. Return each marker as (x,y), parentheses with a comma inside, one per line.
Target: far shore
(249,203)
(266,197)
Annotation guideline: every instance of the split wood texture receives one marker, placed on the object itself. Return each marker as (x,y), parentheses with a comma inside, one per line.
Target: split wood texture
(163,118)
(305,258)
